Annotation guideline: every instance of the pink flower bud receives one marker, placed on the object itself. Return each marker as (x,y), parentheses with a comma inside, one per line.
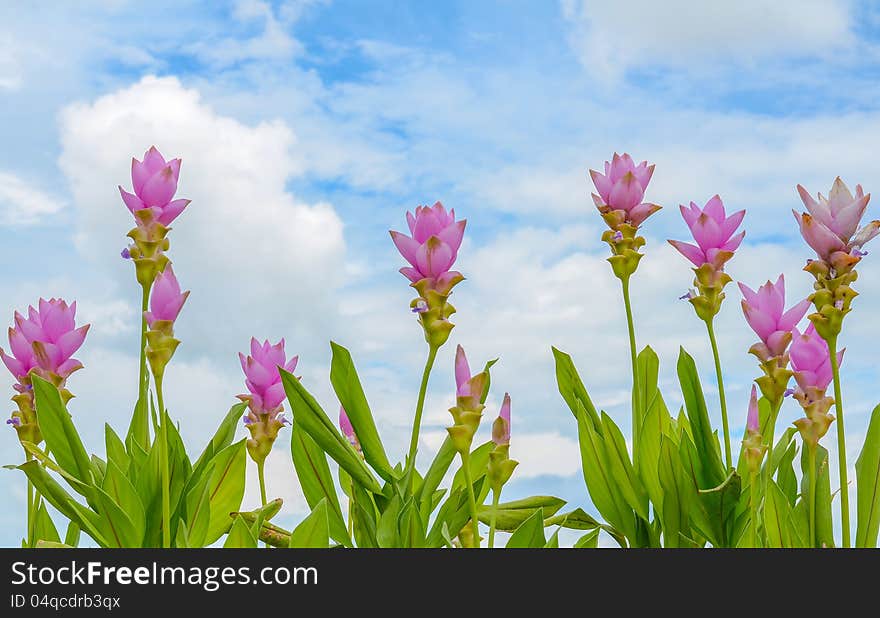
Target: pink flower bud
(265,390)
(501,428)
(166,300)
(462,373)
(753,424)
(810,360)
(714,232)
(765,313)
(622,187)
(45,342)
(347,428)
(433,246)
(154,181)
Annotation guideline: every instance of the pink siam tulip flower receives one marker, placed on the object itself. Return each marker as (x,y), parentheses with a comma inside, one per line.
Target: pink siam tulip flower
(714,232)
(765,313)
(622,188)
(462,374)
(433,246)
(154,181)
(501,430)
(752,423)
(811,361)
(263,381)
(166,300)
(832,224)
(44,343)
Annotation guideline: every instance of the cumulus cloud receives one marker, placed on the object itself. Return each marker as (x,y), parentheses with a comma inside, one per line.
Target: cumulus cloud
(611,37)
(21,203)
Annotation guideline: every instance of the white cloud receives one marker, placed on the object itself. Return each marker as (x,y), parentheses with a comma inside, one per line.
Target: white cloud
(611,37)
(257,260)
(23,204)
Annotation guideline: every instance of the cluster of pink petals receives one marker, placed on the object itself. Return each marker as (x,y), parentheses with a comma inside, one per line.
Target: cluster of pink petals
(713,230)
(765,313)
(832,223)
(504,414)
(154,181)
(622,187)
(166,299)
(265,390)
(811,361)
(462,374)
(45,341)
(433,247)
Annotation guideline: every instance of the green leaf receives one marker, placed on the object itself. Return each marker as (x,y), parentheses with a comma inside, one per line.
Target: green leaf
(139,427)
(347,385)
(315,422)
(589,540)
(71,538)
(868,485)
(123,493)
(510,515)
(438,469)
(622,471)
(226,488)
(572,388)
(553,542)
(198,513)
(529,534)
(779,525)
(824,520)
(679,493)
(220,440)
(59,432)
(785,476)
(44,528)
(600,482)
(116,525)
(655,422)
(363,516)
(477,463)
(709,470)
(115,448)
(316,481)
(240,535)
(386,531)
(314,530)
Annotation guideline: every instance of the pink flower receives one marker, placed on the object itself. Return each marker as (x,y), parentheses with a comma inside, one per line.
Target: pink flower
(833,223)
(45,342)
(503,436)
(166,300)
(263,381)
(433,247)
(753,425)
(462,374)
(714,232)
(622,187)
(765,313)
(347,428)
(811,361)
(155,182)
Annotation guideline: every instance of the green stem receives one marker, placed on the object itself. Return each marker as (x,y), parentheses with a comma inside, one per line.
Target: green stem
(496,494)
(262,476)
(767,476)
(636,407)
(417,422)
(350,519)
(472,501)
(143,376)
(753,508)
(811,458)
(166,484)
(31,516)
(721,397)
(841,443)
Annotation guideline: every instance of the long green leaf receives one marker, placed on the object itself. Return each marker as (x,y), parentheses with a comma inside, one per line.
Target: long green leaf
(314,530)
(59,432)
(572,388)
(529,534)
(868,480)
(709,467)
(226,488)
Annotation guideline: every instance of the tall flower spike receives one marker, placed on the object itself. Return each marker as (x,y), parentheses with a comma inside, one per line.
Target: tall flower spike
(811,362)
(716,238)
(469,406)
(765,313)
(753,447)
(831,229)
(619,199)
(431,252)
(165,304)
(265,396)
(42,344)
(501,467)
(154,181)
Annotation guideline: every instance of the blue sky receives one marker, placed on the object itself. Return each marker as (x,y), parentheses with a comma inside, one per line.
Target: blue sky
(308,127)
